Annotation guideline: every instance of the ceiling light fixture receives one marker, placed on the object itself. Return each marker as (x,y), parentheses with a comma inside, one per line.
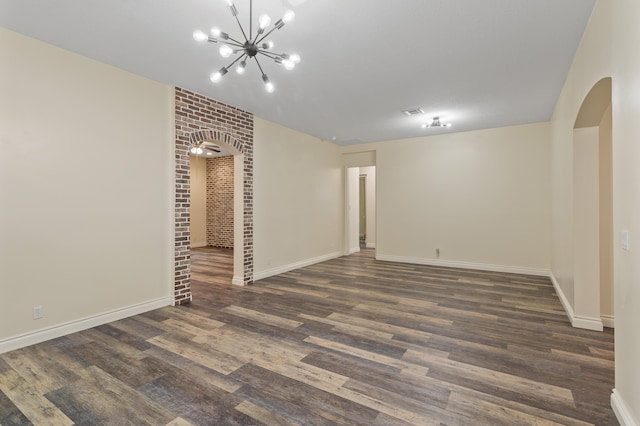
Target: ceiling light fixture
(412,111)
(436,123)
(252,47)
(206,148)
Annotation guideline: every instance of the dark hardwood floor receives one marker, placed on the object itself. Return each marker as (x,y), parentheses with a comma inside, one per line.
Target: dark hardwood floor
(351,341)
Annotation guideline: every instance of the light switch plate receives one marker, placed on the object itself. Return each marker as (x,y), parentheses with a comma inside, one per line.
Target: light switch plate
(624,239)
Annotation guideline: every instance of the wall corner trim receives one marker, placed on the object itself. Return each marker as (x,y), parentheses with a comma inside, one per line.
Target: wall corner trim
(239,281)
(608,321)
(291,266)
(577,321)
(42,335)
(464,265)
(621,410)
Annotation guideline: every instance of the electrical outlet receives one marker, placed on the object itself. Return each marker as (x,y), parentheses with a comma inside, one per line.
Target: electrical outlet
(37,312)
(437,252)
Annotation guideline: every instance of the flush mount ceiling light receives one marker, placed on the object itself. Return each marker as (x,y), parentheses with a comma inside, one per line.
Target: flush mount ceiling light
(251,47)
(412,111)
(436,123)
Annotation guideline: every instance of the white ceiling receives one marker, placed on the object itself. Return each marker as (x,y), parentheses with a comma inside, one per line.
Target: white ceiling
(476,63)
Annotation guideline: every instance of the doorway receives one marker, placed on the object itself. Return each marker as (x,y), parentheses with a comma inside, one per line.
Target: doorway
(212,214)
(360,208)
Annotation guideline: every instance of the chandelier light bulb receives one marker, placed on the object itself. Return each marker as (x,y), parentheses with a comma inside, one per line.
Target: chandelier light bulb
(264,21)
(199,150)
(215,31)
(295,58)
(200,36)
(288,64)
(225,51)
(216,76)
(268,45)
(267,84)
(193,150)
(288,16)
(241,67)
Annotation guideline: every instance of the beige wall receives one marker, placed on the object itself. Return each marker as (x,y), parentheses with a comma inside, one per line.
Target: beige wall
(85,185)
(626,201)
(481,197)
(353,209)
(370,173)
(608,48)
(605,172)
(298,199)
(586,225)
(198,182)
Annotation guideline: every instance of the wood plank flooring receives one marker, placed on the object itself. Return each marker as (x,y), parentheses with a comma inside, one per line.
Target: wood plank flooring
(351,341)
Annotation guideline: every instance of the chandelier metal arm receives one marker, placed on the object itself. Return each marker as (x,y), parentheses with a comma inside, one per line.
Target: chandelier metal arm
(236,60)
(259,40)
(257,62)
(241,29)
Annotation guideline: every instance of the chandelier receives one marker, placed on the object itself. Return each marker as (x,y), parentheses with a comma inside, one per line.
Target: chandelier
(251,47)
(436,123)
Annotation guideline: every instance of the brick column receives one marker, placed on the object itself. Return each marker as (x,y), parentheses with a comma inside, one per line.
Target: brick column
(198,118)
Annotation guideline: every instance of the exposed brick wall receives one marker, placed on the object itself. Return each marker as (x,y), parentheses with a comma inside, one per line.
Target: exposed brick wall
(220,202)
(199,118)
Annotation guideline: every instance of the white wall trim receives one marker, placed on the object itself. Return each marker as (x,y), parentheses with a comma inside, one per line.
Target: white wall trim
(577,321)
(238,281)
(608,321)
(38,336)
(621,410)
(588,323)
(290,267)
(354,250)
(371,245)
(464,265)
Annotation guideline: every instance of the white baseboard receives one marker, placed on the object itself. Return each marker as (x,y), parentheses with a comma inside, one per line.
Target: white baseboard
(608,321)
(371,245)
(238,281)
(290,267)
(354,249)
(621,410)
(197,245)
(38,336)
(464,265)
(578,321)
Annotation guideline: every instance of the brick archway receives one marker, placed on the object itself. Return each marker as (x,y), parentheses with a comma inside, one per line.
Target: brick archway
(198,118)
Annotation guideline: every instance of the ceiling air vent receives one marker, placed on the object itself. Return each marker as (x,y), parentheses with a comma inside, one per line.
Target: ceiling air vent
(413,111)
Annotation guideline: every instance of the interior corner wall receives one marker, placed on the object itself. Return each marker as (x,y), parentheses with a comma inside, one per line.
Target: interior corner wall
(86,164)
(220,211)
(198,201)
(591,63)
(298,199)
(481,198)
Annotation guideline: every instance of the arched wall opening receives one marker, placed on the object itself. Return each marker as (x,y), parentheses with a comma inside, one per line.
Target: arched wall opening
(593,210)
(199,119)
